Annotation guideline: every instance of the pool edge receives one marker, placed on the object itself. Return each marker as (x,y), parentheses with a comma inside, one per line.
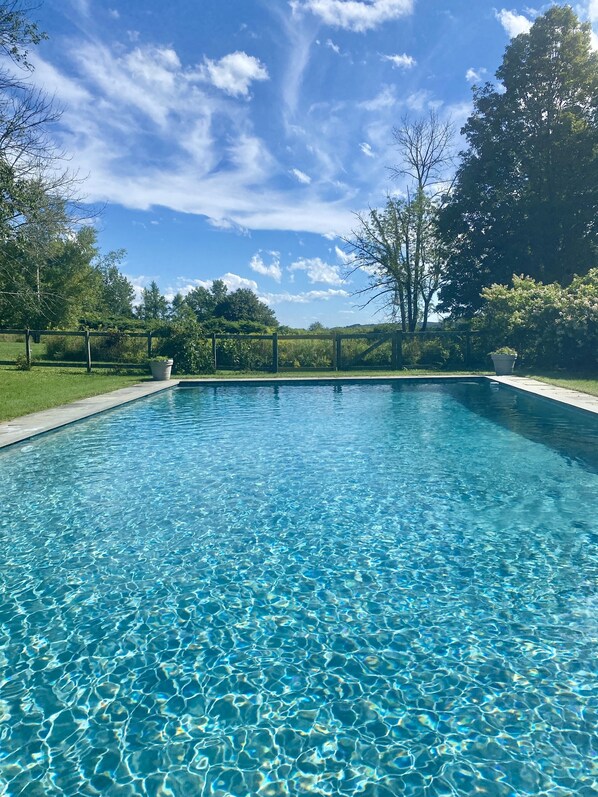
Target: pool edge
(564,396)
(35,424)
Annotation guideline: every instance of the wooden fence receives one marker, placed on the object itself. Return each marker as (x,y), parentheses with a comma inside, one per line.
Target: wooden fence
(388,350)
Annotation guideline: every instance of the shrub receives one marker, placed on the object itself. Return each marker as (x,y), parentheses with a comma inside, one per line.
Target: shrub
(67,347)
(548,325)
(21,363)
(190,350)
(245,355)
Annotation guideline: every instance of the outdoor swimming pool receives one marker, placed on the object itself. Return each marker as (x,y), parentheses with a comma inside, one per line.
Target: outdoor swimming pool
(341,589)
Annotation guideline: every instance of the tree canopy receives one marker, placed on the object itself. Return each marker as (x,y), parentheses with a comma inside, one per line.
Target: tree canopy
(525,199)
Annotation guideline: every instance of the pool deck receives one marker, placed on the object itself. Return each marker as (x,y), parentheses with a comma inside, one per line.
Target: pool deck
(562,395)
(38,423)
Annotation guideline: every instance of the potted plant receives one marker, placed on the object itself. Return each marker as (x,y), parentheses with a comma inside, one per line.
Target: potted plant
(161,367)
(504,360)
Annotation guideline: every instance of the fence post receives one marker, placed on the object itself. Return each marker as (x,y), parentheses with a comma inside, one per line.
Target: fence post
(339,353)
(88,350)
(394,363)
(28,347)
(275,352)
(467,347)
(149,345)
(214,361)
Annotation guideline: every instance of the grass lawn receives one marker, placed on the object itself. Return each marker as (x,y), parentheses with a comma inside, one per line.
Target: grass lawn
(585,384)
(22,392)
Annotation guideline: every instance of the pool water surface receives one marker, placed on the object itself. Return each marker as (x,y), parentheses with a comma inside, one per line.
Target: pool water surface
(285,590)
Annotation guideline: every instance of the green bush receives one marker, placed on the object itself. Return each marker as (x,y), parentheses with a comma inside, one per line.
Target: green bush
(245,355)
(21,363)
(549,325)
(190,350)
(305,353)
(114,347)
(68,347)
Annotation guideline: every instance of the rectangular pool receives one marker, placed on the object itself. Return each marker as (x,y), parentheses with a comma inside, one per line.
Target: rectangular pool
(336,589)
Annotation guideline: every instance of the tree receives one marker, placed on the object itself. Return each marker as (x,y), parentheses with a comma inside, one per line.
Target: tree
(526,192)
(244,305)
(202,302)
(51,284)
(153,306)
(117,292)
(398,247)
(37,203)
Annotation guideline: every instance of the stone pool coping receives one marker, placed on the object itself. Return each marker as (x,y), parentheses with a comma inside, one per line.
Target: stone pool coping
(38,423)
(562,395)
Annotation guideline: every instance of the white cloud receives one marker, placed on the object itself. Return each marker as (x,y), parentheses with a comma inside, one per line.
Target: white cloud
(318,271)
(114,13)
(403,61)
(589,10)
(334,47)
(273,270)
(366,149)
(355,15)
(156,142)
(301,177)
(346,258)
(475,75)
(386,98)
(304,298)
(513,23)
(233,282)
(234,73)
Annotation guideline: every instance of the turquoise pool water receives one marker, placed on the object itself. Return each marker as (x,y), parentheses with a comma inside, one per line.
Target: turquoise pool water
(329,590)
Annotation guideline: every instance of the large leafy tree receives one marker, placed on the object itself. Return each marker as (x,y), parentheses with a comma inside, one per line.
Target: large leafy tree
(37,208)
(525,199)
(244,305)
(50,283)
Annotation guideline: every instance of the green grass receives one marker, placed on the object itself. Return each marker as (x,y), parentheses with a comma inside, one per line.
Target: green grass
(585,384)
(22,392)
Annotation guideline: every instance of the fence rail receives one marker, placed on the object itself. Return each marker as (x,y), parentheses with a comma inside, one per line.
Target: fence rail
(334,351)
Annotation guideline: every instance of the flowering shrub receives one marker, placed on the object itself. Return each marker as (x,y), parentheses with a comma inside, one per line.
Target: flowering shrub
(548,325)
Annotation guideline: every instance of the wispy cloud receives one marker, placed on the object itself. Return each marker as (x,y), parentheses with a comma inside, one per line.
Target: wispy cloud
(366,149)
(356,15)
(402,61)
(157,141)
(512,22)
(385,98)
(475,75)
(301,177)
(273,270)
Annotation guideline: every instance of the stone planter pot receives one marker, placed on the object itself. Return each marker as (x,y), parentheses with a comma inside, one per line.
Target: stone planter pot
(503,363)
(161,369)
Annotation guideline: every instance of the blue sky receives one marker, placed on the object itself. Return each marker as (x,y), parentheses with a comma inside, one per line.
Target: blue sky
(235,139)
